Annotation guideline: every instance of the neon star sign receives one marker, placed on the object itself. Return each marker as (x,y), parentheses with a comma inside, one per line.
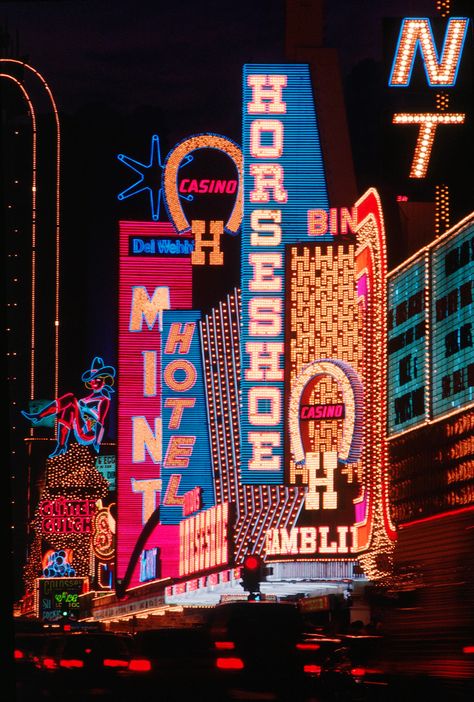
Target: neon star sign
(150,177)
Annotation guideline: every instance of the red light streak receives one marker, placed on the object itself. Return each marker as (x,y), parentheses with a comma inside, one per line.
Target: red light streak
(230,664)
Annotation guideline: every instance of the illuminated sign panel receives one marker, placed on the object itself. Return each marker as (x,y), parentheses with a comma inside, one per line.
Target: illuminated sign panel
(151,246)
(407,348)
(187,476)
(106,465)
(452,315)
(283,179)
(58,595)
(204,540)
(147,287)
(148,562)
(325,405)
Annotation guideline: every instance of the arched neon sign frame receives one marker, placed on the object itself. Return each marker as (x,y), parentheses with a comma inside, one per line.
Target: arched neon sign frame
(351,385)
(170,174)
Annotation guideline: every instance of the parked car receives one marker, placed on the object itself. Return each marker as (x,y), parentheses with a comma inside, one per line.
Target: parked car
(256,650)
(79,665)
(177,662)
(314,649)
(356,670)
(27,649)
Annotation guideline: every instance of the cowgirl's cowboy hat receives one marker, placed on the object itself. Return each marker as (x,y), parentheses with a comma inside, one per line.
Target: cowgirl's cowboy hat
(97,368)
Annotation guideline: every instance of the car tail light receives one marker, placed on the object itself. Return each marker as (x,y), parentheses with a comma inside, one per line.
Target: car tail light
(139,665)
(115,663)
(229,663)
(358,672)
(71,663)
(307,646)
(49,664)
(18,655)
(468,649)
(224,645)
(312,669)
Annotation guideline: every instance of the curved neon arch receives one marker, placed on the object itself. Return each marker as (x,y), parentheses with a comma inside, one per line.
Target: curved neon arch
(351,385)
(170,173)
(5,62)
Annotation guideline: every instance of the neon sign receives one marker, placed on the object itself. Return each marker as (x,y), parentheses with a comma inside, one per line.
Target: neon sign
(204,540)
(103,532)
(204,185)
(441,72)
(62,516)
(416,33)
(339,220)
(149,246)
(177,157)
(147,287)
(428,125)
(85,417)
(149,175)
(309,541)
(322,411)
(186,472)
(58,563)
(278,143)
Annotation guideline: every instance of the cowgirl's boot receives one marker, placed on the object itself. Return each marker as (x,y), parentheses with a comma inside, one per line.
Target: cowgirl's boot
(63,439)
(47,411)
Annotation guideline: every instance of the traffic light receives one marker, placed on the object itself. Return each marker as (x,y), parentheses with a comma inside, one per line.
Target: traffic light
(252,574)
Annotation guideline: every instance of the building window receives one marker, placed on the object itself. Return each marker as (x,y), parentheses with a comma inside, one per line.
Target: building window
(465,293)
(446,386)
(401,313)
(451,343)
(402,409)
(458,381)
(453,301)
(410,405)
(415,303)
(465,336)
(451,262)
(470,375)
(441,309)
(404,370)
(390,320)
(464,254)
(420,330)
(459,257)
(418,402)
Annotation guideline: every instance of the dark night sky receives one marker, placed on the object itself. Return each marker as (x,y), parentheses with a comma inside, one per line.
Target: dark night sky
(179,56)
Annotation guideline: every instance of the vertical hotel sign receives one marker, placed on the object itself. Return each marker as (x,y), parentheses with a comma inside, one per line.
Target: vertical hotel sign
(154,276)
(283,179)
(187,476)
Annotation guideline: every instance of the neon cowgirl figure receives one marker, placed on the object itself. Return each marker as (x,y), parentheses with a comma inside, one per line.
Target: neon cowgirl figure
(85,416)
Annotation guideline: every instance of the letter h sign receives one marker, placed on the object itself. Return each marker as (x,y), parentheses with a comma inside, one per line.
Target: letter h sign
(198,256)
(325,463)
